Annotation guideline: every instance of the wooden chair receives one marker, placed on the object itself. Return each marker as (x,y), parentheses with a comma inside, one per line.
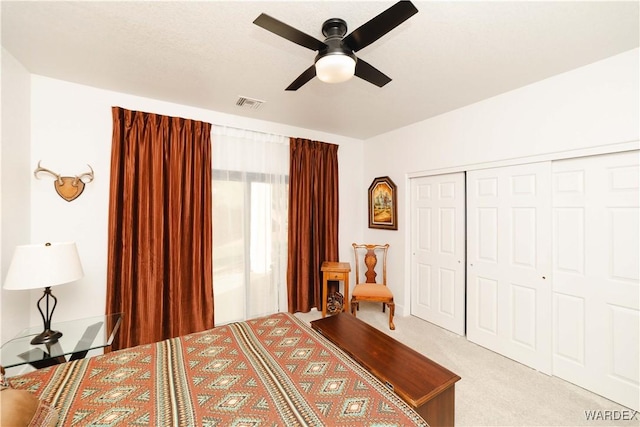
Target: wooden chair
(370,289)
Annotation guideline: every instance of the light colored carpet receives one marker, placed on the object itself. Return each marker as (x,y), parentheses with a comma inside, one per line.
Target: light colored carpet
(494,390)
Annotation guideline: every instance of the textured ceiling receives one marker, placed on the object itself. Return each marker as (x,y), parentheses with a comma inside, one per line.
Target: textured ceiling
(206,54)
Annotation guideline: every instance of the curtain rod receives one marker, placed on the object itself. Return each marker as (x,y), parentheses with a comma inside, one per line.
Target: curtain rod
(262,132)
(249,130)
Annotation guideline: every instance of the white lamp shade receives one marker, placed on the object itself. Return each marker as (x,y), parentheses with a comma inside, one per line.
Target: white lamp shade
(335,68)
(42,265)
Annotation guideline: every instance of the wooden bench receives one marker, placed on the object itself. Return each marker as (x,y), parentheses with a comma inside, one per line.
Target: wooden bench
(425,385)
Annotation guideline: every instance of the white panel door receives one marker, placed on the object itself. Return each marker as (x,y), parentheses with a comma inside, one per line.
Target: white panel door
(509,261)
(595,275)
(438,249)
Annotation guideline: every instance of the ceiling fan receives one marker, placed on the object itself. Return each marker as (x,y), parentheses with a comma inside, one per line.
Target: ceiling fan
(336,60)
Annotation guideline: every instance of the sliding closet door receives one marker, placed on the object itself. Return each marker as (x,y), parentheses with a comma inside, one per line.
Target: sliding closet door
(595,269)
(509,261)
(438,250)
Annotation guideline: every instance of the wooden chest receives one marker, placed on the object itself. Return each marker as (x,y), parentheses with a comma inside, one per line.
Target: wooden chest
(425,385)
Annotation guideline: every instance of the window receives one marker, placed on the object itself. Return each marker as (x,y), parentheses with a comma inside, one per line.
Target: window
(250,196)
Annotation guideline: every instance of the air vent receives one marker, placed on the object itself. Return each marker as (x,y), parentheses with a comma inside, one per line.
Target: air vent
(249,103)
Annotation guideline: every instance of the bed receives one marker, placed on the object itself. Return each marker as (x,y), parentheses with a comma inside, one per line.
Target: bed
(268,371)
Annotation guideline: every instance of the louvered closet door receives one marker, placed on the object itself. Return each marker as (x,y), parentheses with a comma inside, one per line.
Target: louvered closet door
(509,261)
(438,250)
(595,268)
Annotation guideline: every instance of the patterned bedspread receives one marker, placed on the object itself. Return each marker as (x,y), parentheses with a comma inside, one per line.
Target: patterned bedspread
(271,371)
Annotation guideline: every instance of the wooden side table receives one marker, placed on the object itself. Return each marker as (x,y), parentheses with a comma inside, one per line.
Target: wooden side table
(335,271)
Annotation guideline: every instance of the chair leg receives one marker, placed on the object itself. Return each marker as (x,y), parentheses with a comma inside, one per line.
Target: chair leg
(383,306)
(392,309)
(354,303)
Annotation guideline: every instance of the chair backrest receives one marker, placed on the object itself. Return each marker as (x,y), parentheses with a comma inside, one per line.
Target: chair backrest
(366,256)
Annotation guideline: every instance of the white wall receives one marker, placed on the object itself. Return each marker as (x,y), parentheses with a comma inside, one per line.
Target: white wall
(71,126)
(15,186)
(591,106)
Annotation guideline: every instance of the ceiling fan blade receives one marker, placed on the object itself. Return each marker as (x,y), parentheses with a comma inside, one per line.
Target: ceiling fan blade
(288,32)
(368,72)
(307,75)
(377,27)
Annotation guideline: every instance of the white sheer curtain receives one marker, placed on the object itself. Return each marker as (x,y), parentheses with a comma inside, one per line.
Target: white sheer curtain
(250,198)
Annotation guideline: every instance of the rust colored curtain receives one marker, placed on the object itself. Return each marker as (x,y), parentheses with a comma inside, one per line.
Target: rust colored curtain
(159,271)
(313,220)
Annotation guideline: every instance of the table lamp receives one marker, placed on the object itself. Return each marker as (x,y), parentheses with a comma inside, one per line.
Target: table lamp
(42,266)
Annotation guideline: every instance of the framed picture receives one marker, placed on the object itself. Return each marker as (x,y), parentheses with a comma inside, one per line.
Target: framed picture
(383,206)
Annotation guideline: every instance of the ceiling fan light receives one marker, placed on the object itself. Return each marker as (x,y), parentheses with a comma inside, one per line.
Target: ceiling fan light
(336,68)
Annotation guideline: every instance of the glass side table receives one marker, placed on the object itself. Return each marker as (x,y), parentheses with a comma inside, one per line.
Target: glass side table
(78,338)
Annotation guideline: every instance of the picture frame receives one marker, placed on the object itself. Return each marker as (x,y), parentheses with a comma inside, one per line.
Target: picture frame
(383,205)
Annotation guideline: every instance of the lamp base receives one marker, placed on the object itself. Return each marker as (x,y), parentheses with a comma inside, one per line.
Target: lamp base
(46,337)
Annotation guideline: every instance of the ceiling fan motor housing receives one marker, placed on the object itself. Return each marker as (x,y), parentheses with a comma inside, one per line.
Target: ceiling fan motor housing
(334,27)
(334,30)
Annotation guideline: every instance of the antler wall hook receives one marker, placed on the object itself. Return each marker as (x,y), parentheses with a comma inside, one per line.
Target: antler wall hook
(67,187)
